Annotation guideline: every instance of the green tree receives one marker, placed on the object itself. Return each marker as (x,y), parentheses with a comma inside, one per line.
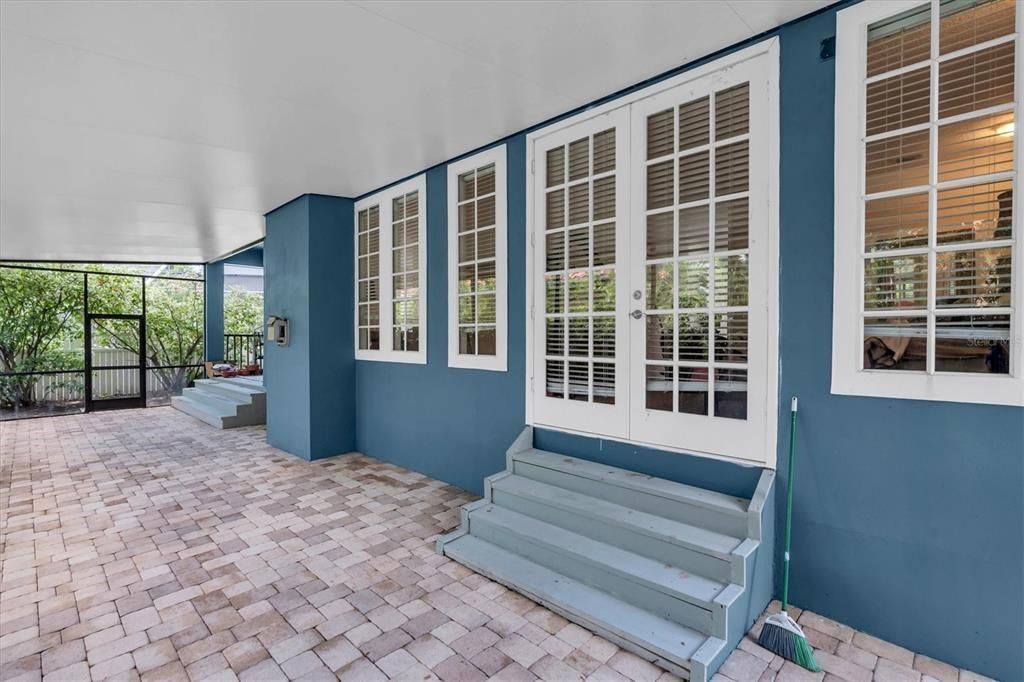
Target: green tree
(243,311)
(174,323)
(39,312)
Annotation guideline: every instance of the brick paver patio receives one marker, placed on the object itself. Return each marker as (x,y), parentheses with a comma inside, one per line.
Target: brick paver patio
(145,544)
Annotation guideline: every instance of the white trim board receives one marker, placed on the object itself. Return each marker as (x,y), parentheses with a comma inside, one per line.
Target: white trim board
(499,361)
(848,375)
(386,353)
(768,50)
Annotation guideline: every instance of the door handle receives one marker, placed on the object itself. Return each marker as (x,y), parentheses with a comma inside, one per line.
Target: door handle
(636,314)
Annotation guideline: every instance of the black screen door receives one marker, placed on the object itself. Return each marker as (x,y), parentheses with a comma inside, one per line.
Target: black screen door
(115,371)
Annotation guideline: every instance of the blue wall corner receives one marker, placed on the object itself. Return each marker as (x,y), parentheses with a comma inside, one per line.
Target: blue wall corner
(331,312)
(252,256)
(286,294)
(213,322)
(308,273)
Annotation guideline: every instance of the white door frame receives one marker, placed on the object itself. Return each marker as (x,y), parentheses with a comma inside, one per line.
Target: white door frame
(769,51)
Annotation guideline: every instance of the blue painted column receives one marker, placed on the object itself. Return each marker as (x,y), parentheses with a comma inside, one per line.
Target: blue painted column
(213,329)
(308,279)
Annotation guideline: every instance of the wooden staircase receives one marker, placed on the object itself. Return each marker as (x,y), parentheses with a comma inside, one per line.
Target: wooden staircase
(225,402)
(666,570)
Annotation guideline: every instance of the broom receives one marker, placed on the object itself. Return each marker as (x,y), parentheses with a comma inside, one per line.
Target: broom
(780,634)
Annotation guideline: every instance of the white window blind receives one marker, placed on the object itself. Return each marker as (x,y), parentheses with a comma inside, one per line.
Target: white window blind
(926,101)
(391,274)
(477,284)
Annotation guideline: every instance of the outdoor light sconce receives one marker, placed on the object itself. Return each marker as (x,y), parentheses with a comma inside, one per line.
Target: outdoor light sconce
(277,330)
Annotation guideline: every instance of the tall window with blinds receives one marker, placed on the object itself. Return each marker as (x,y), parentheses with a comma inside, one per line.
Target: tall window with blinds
(937,238)
(390,253)
(696,256)
(368,278)
(405,272)
(477,283)
(579,269)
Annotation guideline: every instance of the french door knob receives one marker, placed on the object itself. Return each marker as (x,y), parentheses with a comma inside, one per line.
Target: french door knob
(636,314)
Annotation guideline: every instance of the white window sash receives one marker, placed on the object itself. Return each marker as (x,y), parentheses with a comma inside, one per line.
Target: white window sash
(387,352)
(848,375)
(499,361)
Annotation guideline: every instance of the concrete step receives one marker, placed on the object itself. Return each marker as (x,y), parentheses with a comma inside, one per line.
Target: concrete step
(683,651)
(227,387)
(687,504)
(214,397)
(664,590)
(690,547)
(202,411)
(223,405)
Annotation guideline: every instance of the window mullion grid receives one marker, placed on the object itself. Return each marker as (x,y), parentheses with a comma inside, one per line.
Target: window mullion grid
(933,178)
(712,267)
(677,318)
(590,268)
(475,262)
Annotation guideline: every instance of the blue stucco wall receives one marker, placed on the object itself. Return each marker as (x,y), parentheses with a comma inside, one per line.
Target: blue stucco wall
(908,515)
(253,257)
(332,366)
(213,322)
(453,424)
(308,279)
(286,294)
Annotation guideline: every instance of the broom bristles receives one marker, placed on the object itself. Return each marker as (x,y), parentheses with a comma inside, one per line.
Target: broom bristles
(782,636)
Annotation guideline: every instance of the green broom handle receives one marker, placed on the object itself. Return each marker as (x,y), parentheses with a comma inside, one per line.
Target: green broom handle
(789,503)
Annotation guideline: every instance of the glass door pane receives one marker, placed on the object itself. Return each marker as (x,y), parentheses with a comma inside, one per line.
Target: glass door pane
(580,257)
(698,336)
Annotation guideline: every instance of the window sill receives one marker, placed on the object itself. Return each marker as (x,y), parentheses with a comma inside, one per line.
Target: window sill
(981,389)
(418,358)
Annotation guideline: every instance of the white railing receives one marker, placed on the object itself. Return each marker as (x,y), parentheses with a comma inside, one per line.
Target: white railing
(69,386)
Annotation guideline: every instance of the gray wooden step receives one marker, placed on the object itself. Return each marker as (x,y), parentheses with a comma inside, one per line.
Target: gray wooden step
(696,549)
(664,590)
(682,650)
(687,504)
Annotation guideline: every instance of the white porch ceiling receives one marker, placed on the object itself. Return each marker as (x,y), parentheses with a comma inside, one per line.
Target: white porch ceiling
(165,130)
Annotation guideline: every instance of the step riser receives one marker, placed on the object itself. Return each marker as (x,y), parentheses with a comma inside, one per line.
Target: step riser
(674,647)
(214,400)
(233,414)
(195,411)
(618,536)
(730,524)
(655,601)
(257,401)
(227,391)
(678,668)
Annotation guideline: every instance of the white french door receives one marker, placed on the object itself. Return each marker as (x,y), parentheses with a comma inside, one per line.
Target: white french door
(581,248)
(652,259)
(698,360)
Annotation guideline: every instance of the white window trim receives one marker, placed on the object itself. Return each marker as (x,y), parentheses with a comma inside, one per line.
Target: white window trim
(769,47)
(386,353)
(848,377)
(499,361)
